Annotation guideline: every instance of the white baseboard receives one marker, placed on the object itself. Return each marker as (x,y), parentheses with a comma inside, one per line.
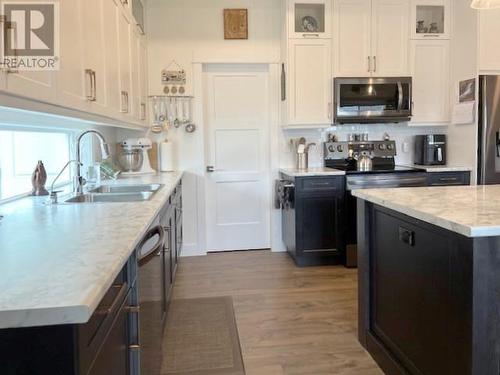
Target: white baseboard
(191,250)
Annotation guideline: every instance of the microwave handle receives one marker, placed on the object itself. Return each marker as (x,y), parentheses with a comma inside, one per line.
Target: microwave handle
(400,96)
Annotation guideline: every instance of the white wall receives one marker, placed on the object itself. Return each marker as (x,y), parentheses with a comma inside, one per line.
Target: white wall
(191,33)
(462,139)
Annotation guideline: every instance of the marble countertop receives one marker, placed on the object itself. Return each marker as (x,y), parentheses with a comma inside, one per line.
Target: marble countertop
(473,211)
(57,262)
(311,172)
(442,168)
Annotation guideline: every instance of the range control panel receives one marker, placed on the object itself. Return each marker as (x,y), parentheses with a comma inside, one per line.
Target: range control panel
(345,150)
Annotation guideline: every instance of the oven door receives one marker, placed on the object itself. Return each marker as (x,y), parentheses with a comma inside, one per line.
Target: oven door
(373,100)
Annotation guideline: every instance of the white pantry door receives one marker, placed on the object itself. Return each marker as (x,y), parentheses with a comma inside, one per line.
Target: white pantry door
(237,191)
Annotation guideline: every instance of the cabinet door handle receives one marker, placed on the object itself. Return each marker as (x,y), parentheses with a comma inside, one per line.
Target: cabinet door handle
(143,111)
(369,64)
(125,102)
(94,79)
(88,73)
(91,95)
(374,64)
(330,110)
(407,236)
(168,230)
(283,83)
(11,27)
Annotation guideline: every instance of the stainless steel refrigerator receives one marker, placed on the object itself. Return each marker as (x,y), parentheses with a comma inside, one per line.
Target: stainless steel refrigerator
(489,130)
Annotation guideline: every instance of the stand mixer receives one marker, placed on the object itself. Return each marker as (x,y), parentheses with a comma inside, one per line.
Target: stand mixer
(134,157)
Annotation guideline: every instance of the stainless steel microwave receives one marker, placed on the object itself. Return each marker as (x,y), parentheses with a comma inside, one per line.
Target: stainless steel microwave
(372,100)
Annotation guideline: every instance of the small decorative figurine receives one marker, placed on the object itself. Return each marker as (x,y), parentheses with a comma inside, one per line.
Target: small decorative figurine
(38,180)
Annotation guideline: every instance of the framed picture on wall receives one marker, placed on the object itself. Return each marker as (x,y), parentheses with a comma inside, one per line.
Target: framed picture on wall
(467,91)
(235,24)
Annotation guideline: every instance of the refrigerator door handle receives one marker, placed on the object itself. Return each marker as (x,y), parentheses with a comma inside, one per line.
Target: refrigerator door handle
(497,144)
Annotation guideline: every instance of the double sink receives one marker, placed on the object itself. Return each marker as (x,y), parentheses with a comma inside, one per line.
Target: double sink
(117,194)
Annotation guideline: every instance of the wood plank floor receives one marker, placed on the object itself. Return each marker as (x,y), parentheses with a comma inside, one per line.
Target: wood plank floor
(291,321)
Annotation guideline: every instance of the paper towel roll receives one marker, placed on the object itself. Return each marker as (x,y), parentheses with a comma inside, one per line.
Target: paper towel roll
(167,157)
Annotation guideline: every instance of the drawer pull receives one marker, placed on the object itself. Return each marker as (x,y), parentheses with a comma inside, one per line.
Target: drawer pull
(448,179)
(407,236)
(320,184)
(116,302)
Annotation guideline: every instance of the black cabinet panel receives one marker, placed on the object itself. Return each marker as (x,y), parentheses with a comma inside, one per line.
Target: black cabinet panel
(420,292)
(411,272)
(318,228)
(310,224)
(448,178)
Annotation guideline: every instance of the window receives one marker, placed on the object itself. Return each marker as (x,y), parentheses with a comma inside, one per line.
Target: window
(20,152)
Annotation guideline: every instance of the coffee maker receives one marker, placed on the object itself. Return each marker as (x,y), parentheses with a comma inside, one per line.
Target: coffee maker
(430,149)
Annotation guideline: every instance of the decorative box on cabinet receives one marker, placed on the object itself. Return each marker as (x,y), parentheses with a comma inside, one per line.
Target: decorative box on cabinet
(430,66)
(430,19)
(371,37)
(309,19)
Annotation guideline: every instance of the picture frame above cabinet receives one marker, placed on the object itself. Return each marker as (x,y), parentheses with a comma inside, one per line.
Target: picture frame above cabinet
(309,19)
(430,19)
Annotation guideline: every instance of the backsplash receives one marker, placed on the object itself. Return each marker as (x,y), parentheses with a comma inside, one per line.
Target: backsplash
(403,134)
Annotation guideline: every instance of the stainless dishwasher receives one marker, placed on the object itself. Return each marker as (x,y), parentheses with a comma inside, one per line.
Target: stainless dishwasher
(152,299)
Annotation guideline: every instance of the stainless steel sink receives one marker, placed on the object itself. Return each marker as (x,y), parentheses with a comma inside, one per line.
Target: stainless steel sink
(111,189)
(111,197)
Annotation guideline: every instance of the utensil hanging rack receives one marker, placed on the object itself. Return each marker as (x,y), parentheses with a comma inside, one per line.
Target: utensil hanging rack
(171,111)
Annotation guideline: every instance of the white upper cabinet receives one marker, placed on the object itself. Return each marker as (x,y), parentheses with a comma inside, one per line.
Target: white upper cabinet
(352,20)
(309,19)
(371,38)
(40,85)
(430,19)
(431,82)
(94,58)
(111,16)
(489,40)
(71,81)
(102,64)
(390,42)
(135,73)
(124,50)
(310,82)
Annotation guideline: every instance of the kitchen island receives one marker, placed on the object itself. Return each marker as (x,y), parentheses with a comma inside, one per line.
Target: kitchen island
(429,279)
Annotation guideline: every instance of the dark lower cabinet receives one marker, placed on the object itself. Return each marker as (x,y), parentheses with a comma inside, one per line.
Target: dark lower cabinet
(412,302)
(124,335)
(99,347)
(113,358)
(310,220)
(448,178)
(428,297)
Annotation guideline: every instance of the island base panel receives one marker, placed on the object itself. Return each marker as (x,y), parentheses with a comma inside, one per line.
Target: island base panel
(428,297)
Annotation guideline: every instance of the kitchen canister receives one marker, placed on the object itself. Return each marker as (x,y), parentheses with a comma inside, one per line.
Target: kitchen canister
(167,156)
